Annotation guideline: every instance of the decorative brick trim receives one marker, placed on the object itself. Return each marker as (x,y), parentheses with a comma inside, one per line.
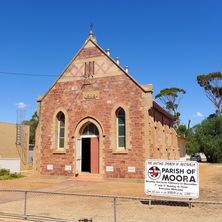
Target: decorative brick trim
(84,121)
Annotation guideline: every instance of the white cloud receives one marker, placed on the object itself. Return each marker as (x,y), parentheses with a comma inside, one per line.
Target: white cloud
(199,114)
(21,105)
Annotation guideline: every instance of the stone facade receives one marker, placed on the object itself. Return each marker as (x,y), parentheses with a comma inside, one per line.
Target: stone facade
(91,90)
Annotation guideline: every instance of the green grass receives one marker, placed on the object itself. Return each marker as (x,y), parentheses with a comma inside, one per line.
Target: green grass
(6,175)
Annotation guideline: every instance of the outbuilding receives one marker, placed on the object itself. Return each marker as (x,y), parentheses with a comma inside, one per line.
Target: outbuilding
(14,147)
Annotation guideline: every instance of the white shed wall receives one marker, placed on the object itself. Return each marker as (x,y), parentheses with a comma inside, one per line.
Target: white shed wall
(11,164)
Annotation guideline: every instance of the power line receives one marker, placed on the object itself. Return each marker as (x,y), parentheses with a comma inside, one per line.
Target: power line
(26,74)
(32,74)
(19,74)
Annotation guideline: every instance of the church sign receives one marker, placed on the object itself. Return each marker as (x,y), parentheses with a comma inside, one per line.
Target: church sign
(172,178)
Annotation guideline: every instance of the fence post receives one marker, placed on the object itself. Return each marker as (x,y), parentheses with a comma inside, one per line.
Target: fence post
(25,205)
(114,209)
(190,203)
(150,202)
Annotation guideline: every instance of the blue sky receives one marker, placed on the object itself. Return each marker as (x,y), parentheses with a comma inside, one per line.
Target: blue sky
(166,43)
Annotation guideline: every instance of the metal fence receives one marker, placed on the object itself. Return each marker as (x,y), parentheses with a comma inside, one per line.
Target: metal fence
(75,207)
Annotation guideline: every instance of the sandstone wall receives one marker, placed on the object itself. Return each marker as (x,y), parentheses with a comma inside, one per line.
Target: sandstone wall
(163,141)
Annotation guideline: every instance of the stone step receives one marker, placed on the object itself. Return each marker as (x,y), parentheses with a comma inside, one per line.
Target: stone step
(87,177)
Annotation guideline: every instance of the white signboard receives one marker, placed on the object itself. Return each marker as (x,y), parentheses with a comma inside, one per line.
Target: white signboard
(172,178)
(131,169)
(109,168)
(49,167)
(68,167)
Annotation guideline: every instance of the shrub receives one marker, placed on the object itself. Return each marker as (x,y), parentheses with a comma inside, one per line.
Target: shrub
(4,172)
(6,175)
(15,175)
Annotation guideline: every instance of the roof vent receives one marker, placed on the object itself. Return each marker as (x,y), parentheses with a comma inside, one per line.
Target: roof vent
(117,60)
(126,69)
(108,52)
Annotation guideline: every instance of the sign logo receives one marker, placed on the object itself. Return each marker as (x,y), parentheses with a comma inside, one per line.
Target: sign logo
(154,173)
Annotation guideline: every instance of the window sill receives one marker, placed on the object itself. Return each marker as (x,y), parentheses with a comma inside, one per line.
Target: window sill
(120,151)
(59,151)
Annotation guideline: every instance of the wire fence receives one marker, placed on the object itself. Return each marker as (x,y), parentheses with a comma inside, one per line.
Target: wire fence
(75,207)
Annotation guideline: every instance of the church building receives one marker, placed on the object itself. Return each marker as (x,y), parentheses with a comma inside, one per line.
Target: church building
(97,119)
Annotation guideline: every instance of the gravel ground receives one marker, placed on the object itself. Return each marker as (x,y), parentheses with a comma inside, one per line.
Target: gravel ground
(75,208)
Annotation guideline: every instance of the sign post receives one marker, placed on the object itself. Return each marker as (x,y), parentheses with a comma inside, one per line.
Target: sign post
(172,178)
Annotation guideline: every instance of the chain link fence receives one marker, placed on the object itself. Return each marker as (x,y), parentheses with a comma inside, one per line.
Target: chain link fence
(74,207)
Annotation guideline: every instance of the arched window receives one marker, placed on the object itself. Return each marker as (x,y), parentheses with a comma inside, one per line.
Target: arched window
(121,128)
(90,129)
(61,129)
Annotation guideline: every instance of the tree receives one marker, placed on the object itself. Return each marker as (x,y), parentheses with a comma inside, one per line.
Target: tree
(181,130)
(171,97)
(206,138)
(33,122)
(212,84)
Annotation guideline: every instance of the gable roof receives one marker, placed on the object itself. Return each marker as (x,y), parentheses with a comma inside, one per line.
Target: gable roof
(109,57)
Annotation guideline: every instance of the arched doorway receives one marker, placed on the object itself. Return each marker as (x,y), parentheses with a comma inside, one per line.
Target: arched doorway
(88,149)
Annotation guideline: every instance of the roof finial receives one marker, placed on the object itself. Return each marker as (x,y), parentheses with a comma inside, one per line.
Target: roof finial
(91,29)
(91,35)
